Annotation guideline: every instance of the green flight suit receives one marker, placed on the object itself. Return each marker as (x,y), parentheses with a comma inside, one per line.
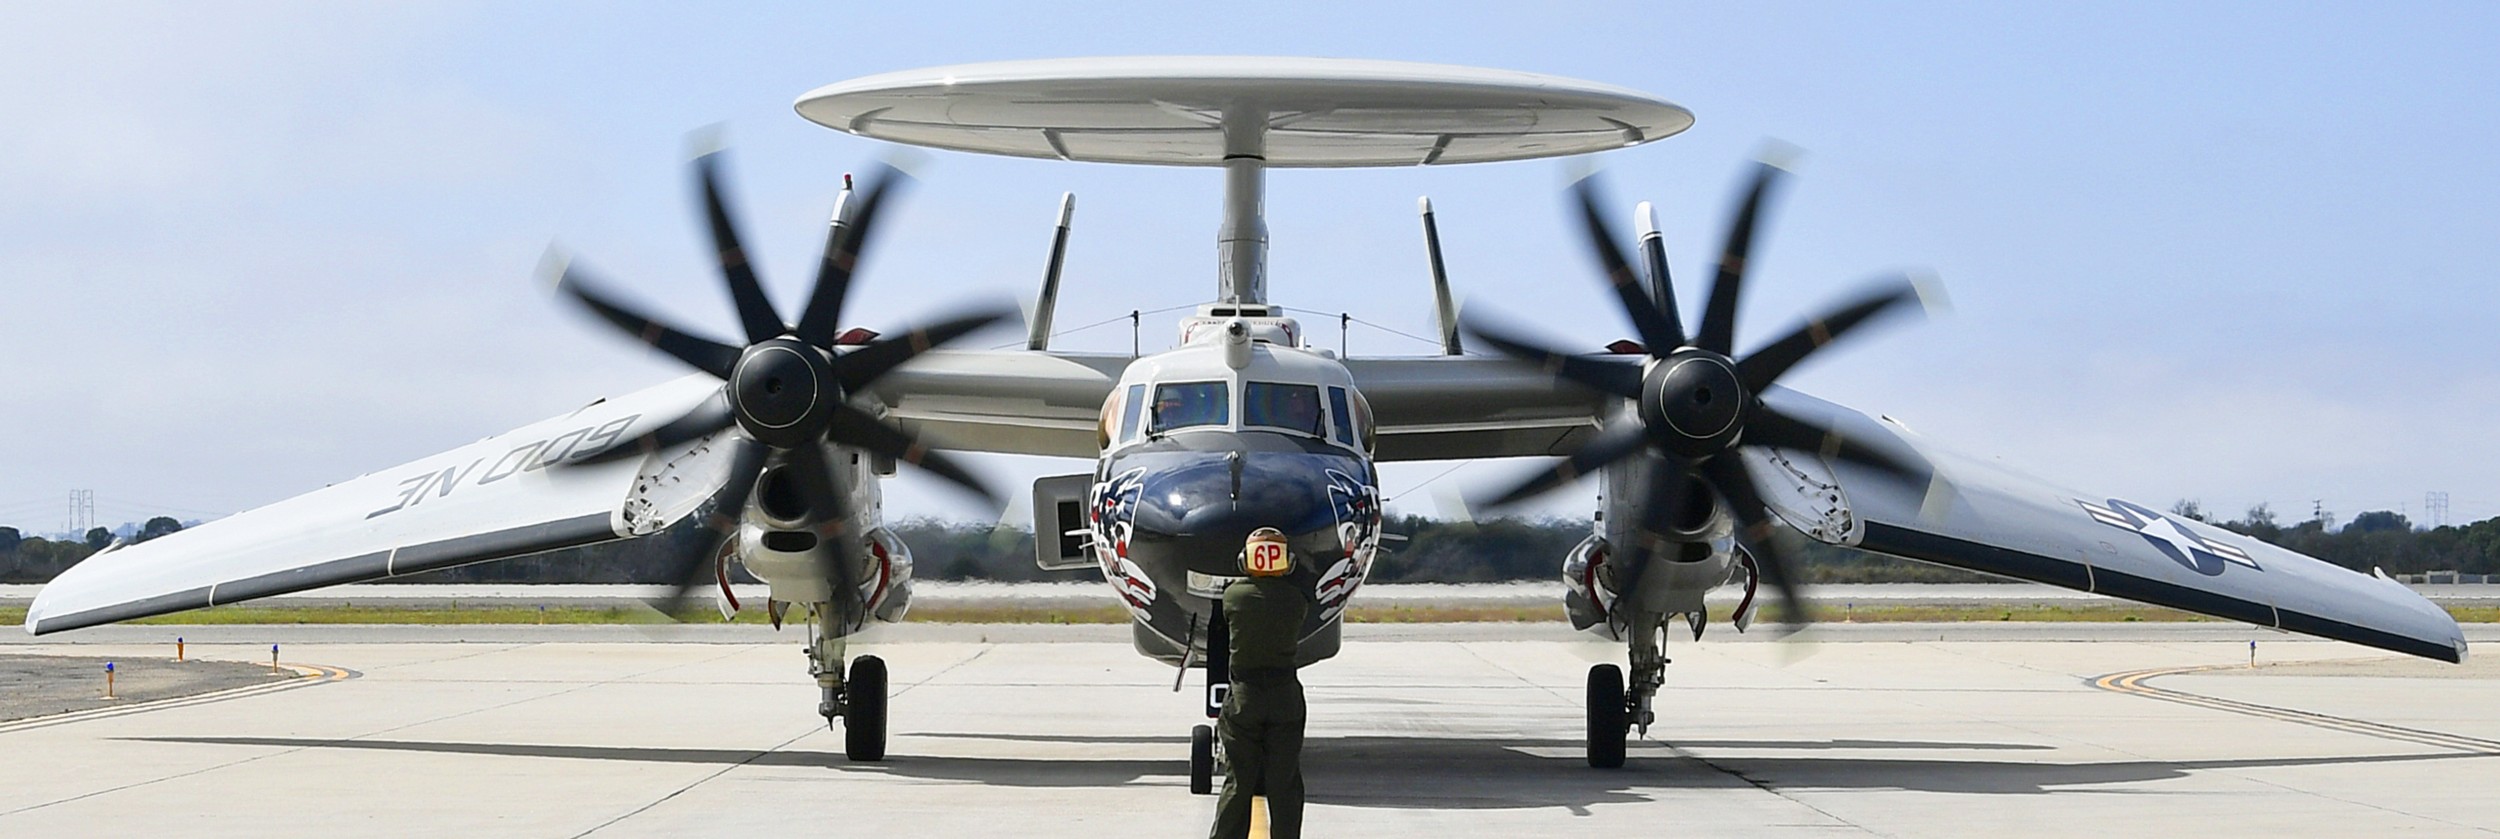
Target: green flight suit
(1263,713)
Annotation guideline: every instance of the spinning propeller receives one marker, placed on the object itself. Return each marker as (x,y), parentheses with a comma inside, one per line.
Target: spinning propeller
(785,389)
(1696,403)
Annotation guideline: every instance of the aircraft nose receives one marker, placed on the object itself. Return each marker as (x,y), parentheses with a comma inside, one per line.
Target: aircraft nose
(1202,510)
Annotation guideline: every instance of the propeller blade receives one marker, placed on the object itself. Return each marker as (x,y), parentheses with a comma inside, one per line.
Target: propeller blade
(1611,445)
(729,506)
(1718,322)
(1767,364)
(823,314)
(700,353)
(829,507)
(1767,427)
(754,311)
(1727,474)
(857,368)
(1669,484)
(1605,376)
(704,419)
(1656,333)
(854,427)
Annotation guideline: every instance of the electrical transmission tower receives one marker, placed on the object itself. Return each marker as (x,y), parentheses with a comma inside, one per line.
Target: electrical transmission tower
(81,511)
(2435,509)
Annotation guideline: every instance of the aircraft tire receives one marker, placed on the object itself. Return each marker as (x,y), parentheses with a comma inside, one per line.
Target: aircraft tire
(863,728)
(1609,720)
(1201,760)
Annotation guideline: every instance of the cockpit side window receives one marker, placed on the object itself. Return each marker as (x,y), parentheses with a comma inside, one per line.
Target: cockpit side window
(1344,415)
(1273,405)
(1184,404)
(1128,413)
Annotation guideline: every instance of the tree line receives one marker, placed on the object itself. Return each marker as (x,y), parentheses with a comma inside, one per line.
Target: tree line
(1494,550)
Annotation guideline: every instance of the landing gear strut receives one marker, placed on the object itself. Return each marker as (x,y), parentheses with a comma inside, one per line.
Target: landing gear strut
(1615,706)
(858,700)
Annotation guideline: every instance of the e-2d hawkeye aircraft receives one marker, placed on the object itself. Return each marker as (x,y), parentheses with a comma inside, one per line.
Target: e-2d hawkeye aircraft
(779,440)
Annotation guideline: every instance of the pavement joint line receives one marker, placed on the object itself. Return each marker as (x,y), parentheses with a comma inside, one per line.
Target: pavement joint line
(1678,750)
(484,649)
(305,676)
(1764,786)
(1523,679)
(1967,654)
(811,730)
(2134,682)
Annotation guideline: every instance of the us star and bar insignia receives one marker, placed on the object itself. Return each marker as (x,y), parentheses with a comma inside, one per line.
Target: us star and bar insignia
(2168,536)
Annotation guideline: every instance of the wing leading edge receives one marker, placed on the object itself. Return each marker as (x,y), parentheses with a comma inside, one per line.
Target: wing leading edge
(1980,516)
(509,495)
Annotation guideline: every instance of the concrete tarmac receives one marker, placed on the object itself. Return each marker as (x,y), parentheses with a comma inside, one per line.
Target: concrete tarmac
(1463,730)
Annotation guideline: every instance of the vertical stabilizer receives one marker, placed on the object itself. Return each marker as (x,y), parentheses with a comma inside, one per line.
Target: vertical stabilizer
(1445,313)
(1038,335)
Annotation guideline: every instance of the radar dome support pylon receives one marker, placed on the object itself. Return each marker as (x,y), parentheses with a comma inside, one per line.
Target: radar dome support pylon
(1241,243)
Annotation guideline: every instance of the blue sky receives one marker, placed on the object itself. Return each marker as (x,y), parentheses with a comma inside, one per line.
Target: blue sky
(2239,253)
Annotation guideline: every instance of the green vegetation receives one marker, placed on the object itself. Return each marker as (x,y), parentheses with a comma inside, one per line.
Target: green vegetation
(1433,551)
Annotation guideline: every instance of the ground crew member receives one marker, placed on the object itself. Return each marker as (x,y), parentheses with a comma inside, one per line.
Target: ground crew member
(1261,725)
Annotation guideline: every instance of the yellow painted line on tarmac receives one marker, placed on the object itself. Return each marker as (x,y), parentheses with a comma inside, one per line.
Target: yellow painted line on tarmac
(2135,682)
(305,676)
(1258,817)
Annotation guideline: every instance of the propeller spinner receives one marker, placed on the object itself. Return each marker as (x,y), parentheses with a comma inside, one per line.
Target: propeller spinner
(785,389)
(1696,402)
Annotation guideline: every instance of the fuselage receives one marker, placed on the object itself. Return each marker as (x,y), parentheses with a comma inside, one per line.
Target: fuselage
(1239,428)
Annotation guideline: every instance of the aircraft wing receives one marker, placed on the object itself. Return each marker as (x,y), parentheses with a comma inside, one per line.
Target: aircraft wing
(1979,515)
(492,499)
(1049,403)
(1449,407)
(1003,401)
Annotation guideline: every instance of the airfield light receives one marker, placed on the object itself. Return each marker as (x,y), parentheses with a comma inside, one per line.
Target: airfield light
(177,648)
(108,680)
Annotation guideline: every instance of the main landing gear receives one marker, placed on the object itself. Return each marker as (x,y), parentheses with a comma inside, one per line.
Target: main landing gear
(1609,718)
(856,697)
(1615,706)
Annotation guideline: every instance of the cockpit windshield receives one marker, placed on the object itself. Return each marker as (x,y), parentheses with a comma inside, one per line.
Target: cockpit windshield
(1272,405)
(1184,404)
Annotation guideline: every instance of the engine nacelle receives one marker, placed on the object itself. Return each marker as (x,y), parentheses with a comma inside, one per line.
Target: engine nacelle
(889,573)
(788,561)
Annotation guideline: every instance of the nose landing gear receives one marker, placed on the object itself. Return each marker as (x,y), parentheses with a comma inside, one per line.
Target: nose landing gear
(1206,751)
(1202,752)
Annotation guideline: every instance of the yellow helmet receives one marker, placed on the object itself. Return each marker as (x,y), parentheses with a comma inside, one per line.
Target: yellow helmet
(1265,554)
